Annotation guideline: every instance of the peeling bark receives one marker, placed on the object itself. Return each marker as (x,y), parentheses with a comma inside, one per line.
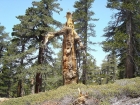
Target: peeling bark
(69,64)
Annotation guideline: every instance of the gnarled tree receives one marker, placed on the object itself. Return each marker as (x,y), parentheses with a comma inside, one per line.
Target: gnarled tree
(69,63)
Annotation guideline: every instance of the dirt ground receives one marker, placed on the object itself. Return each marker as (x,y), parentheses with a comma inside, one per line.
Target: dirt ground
(3,99)
(128,101)
(93,101)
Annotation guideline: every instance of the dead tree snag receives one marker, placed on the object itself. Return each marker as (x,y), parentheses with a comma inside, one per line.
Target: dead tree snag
(70,40)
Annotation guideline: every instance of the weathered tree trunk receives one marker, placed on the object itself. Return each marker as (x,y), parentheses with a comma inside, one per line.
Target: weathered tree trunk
(38,84)
(130,69)
(69,63)
(69,60)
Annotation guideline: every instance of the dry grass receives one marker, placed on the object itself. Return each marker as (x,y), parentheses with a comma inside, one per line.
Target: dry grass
(65,95)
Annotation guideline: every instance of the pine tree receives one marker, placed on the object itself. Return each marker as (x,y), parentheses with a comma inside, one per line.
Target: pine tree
(5,82)
(109,68)
(122,34)
(3,42)
(21,56)
(4,70)
(35,24)
(53,78)
(84,27)
(91,69)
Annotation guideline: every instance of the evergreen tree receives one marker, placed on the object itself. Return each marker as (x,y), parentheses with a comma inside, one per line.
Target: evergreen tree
(109,68)
(84,27)
(5,82)
(4,70)
(21,51)
(54,75)
(123,35)
(35,24)
(91,69)
(3,42)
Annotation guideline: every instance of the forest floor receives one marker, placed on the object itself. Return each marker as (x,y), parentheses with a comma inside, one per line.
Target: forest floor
(90,101)
(93,101)
(128,101)
(122,92)
(3,99)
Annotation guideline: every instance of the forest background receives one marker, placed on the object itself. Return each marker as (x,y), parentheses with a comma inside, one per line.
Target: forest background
(26,68)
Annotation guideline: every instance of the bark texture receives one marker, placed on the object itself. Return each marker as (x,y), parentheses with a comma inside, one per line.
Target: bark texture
(69,63)
(38,84)
(130,68)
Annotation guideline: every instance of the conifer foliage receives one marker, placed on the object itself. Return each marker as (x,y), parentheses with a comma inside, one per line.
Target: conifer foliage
(5,73)
(85,28)
(34,25)
(109,69)
(122,35)
(28,67)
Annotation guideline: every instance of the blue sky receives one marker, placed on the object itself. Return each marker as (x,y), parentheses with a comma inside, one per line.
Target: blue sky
(9,9)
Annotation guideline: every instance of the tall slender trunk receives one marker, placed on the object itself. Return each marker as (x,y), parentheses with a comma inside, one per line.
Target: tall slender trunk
(114,63)
(129,72)
(19,90)
(38,84)
(84,75)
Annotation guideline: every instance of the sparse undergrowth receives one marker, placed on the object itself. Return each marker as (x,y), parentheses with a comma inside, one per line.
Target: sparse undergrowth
(65,95)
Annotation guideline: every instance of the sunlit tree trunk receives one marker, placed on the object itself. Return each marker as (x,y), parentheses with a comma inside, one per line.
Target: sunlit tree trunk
(69,60)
